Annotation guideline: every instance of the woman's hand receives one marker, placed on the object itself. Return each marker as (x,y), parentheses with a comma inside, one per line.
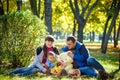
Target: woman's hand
(45,66)
(44,70)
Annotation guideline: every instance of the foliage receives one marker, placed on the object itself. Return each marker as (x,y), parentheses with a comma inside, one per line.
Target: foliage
(62,16)
(12,5)
(99,16)
(23,35)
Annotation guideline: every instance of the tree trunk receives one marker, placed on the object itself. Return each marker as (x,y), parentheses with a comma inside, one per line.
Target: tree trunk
(104,33)
(19,5)
(118,34)
(33,4)
(1,8)
(93,36)
(1,13)
(114,37)
(48,15)
(7,6)
(3,29)
(110,29)
(80,15)
(39,2)
(90,37)
(80,31)
(74,28)
(106,24)
(119,61)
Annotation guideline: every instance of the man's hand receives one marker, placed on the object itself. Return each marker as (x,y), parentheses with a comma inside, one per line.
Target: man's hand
(71,55)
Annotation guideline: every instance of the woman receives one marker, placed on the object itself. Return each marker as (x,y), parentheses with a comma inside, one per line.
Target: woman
(40,58)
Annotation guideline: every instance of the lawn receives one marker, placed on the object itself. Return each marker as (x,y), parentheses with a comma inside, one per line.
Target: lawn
(110,61)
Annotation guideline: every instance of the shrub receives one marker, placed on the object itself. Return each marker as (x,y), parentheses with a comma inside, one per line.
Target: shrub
(21,37)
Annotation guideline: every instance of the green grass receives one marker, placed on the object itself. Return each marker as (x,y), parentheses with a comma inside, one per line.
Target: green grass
(110,61)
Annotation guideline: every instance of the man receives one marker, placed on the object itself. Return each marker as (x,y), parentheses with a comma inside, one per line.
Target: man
(82,59)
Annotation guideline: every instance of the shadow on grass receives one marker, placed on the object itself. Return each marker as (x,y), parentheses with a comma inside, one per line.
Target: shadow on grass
(115,72)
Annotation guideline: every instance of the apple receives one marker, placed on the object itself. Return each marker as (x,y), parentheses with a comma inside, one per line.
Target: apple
(59,63)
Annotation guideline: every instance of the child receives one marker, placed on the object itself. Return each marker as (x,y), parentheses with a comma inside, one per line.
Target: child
(51,57)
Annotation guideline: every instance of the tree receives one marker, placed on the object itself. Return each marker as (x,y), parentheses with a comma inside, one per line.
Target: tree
(19,5)
(105,29)
(114,36)
(7,6)
(39,3)
(1,8)
(62,19)
(35,10)
(1,13)
(118,34)
(80,15)
(74,28)
(106,24)
(48,15)
(116,11)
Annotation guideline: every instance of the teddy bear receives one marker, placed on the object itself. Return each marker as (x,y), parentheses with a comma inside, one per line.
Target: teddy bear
(65,60)
(65,66)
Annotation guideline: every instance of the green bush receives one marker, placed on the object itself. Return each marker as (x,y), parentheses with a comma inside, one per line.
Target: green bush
(21,37)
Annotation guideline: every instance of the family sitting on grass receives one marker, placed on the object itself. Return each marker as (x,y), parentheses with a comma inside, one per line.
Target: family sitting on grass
(47,60)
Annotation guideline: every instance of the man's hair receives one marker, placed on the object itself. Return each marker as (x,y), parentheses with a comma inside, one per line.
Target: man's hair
(72,38)
(50,38)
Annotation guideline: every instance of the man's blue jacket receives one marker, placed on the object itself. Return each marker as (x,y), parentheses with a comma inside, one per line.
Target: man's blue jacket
(81,54)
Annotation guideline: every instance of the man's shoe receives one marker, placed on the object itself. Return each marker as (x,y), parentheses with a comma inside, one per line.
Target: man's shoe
(103,75)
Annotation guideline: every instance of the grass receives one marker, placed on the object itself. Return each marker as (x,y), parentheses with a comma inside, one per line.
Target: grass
(110,61)
(85,41)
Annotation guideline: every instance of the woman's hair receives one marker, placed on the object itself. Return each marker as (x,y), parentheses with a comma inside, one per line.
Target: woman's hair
(72,38)
(48,38)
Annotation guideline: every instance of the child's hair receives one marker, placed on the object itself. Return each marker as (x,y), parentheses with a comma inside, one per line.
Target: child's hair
(50,53)
(68,52)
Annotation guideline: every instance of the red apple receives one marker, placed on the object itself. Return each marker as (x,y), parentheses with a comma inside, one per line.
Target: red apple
(59,64)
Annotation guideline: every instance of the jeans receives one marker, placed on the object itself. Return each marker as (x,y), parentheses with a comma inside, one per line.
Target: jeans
(24,71)
(88,71)
(92,64)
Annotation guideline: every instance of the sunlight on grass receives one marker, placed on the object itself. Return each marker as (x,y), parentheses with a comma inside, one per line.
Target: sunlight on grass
(42,78)
(110,68)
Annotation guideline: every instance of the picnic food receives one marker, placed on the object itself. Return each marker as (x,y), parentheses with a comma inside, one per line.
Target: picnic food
(75,73)
(56,70)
